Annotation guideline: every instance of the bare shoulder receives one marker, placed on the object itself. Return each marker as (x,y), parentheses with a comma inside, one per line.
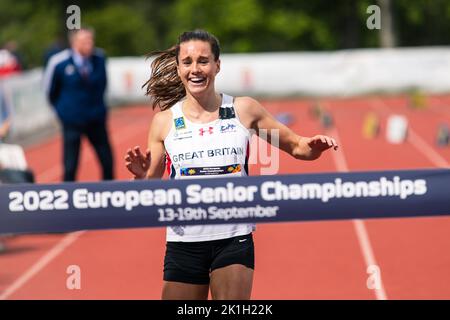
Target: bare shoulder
(162,116)
(247,104)
(249,110)
(161,123)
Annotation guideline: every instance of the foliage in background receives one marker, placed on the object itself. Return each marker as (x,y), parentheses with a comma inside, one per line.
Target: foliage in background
(136,27)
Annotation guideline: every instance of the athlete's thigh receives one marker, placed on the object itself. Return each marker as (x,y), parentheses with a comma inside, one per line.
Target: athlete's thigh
(184,291)
(233,282)
(231,274)
(186,270)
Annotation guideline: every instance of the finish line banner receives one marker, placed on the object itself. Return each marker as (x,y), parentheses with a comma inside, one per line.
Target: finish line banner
(31,208)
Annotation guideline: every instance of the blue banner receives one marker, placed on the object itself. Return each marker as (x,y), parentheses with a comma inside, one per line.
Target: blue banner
(41,208)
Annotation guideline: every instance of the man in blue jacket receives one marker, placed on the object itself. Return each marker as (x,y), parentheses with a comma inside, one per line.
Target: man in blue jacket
(75,83)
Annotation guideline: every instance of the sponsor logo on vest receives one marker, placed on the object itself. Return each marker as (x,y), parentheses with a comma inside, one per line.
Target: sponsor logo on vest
(208,171)
(182,134)
(208,130)
(228,128)
(179,123)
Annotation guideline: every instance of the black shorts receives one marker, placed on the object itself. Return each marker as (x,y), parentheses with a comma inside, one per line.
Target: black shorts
(191,262)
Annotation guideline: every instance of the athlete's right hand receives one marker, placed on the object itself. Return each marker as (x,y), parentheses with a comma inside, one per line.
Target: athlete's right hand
(137,163)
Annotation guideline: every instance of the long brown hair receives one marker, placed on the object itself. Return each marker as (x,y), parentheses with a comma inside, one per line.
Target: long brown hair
(165,86)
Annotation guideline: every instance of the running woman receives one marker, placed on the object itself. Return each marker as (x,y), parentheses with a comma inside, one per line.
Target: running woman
(201,133)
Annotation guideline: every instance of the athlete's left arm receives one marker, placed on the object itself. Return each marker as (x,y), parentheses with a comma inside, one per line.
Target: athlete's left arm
(255,116)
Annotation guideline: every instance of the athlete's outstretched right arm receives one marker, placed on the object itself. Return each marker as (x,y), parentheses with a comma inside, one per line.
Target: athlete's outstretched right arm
(151,164)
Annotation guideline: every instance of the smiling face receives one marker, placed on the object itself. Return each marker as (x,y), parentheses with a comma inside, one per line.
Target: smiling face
(197,67)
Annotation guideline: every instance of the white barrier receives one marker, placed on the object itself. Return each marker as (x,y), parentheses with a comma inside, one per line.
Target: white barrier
(30,110)
(339,73)
(125,79)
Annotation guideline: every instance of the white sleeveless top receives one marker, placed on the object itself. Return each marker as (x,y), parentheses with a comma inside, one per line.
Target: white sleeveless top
(207,150)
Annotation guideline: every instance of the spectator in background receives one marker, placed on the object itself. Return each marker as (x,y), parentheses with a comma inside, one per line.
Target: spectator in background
(12,47)
(53,49)
(9,63)
(75,83)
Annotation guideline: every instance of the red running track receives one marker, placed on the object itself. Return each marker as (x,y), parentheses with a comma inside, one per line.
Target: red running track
(312,260)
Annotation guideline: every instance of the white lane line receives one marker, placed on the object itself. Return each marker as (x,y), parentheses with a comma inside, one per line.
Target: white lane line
(423,147)
(359,225)
(51,175)
(41,264)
